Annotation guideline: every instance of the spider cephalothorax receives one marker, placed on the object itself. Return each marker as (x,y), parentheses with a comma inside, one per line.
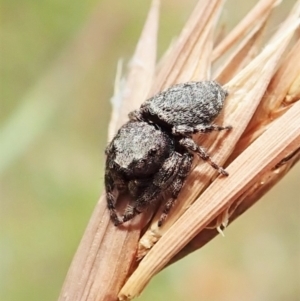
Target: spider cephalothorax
(151,155)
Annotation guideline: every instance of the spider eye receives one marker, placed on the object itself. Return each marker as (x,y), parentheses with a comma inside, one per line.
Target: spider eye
(152,151)
(142,161)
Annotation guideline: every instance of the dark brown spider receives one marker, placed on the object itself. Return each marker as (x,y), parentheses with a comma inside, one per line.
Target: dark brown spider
(151,155)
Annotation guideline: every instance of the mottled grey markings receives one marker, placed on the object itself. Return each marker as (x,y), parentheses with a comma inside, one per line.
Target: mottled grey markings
(151,155)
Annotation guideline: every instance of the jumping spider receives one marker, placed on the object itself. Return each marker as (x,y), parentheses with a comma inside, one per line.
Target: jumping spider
(151,155)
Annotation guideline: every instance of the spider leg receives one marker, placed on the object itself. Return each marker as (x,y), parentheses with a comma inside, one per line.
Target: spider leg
(148,196)
(112,193)
(176,186)
(185,130)
(190,145)
(159,185)
(210,128)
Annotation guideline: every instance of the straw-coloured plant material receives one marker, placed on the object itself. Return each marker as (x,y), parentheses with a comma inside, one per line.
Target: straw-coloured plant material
(106,253)
(254,162)
(192,51)
(263,107)
(254,19)
(246,92)
(273,104)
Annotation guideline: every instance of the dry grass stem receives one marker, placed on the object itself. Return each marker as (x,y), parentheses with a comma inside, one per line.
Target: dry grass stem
(246,90)
(174,69)
(275,101)
(106,253)
(263,107)
(259,158)
(273,104)
(243,203)
(246,51)
(258,15)
(246,94)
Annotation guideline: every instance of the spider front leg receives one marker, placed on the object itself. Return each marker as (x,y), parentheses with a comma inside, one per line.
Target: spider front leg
(159,185)
(176,186)
(185,130)
(190,145)
(147,197)
(112,192)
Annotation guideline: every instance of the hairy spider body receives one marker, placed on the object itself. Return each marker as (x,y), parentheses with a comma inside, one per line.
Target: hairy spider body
(151,155)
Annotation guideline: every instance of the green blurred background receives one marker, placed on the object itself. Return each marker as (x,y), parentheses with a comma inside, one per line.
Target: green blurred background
(58,62)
